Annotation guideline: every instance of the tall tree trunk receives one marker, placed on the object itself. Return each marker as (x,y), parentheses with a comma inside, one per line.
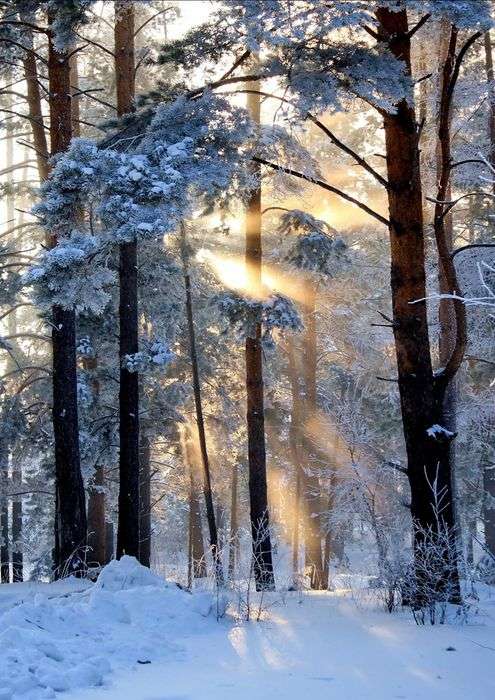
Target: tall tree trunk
(17,553)
(444,228)
(489,504)
(258,494)
(109,541)
(295,452)
(311,484)
(145,502)
(490,76)
(16,479)
(96,519)
(5,446)
(128,529)
(96,487)
(489,469)
(234,523)
(207,489)
(197,561)
(421,394)
(34,108)
(4,514)
(96,490)
(76,98)
(70,510)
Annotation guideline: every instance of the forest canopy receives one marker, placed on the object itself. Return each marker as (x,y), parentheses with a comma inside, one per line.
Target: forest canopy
(248,279)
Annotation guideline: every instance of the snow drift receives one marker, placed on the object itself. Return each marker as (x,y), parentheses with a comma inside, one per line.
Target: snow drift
(58,637)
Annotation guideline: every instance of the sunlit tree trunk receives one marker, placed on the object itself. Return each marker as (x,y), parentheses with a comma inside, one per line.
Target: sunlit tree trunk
(33,93)
(70,510)
(197,561)
(200,423)
(258,494)
(128,528)
(234,523)
(421,394)
(311,485)
(295,452)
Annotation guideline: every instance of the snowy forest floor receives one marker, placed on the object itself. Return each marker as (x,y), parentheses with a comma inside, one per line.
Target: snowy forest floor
(133,637)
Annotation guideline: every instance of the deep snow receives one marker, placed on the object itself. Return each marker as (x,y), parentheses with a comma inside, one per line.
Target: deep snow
(70,635)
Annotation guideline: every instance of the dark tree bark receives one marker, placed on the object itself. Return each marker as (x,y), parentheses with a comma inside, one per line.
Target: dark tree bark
(451,315)
(489,502)
(145,502)
(421,393)
(207,488)
(258,494)
(17,554)
(128,529)
(491,97)
(70,510)
(4,515)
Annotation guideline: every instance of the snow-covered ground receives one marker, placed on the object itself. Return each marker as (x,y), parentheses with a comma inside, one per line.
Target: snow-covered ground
(133,637)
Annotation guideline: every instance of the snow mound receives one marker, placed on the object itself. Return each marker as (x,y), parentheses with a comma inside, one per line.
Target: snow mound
(127,573)
(54,641)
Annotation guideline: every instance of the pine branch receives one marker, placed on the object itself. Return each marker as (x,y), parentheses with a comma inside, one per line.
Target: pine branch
(324,185)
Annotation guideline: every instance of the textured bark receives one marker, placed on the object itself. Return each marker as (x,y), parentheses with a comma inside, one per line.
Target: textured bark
(145,502)
(258,494)
(128,529)
(70,510)
(34,109)
(207,488)
(421,394)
